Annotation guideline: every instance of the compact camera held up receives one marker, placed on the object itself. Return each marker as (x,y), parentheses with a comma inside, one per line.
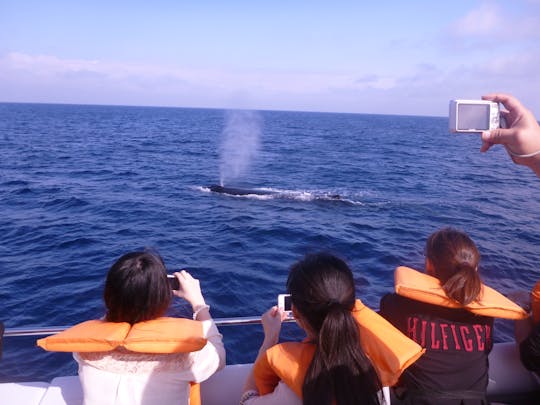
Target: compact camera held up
(473,116)
(173,282)
(284,303)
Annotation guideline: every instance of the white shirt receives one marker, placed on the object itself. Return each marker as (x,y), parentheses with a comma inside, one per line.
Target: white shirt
(121,377)
(282,395)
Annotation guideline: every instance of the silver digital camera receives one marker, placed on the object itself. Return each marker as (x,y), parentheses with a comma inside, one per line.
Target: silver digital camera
(473,116)
(284,303)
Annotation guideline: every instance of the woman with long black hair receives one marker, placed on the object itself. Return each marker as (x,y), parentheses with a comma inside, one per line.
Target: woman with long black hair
(330,366)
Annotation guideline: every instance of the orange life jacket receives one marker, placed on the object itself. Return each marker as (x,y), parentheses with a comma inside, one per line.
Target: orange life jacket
(162,335)
(422,287)
(535,302)
(389,350)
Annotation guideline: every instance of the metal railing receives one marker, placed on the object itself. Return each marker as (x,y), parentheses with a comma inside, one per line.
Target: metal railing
(51,330)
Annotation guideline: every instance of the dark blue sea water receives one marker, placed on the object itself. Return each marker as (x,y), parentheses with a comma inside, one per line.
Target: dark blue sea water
(81,185)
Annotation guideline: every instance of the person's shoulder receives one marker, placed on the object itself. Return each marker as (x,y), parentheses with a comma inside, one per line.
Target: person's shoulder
(393,306)
(400,306)
(394,299)
(290,350)
(288,347)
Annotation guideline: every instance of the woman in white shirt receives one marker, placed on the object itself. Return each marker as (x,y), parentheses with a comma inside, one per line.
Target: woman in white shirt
(137,290)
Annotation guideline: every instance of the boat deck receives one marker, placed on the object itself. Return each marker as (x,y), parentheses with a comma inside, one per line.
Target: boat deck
(224,387)
(509,382)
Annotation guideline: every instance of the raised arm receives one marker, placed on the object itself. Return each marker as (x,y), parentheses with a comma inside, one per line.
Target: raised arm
(521,137)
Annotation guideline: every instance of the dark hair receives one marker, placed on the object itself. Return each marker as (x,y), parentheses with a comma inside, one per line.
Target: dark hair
(322,291)
(136,288)
(455,259)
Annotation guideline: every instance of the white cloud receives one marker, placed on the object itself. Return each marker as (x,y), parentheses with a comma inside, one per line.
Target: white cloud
(497,23)
(141,75)
(482,21)
(216,85)
(425,90)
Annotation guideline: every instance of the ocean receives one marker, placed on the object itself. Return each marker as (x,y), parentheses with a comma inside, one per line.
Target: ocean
(81,185)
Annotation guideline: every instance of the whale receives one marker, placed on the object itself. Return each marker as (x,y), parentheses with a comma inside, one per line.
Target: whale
(235,191)
(238,191)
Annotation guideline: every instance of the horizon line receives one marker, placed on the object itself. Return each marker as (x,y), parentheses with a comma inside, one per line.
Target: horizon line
(213,108)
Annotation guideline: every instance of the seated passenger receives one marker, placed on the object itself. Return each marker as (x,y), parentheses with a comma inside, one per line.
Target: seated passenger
(528,333)
(454,369)
(137,290)
(521,139)
(330,366)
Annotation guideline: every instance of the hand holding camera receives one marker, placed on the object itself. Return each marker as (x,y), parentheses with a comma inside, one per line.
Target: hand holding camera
(521,138)
(271,321)
(516,127)
(189,289)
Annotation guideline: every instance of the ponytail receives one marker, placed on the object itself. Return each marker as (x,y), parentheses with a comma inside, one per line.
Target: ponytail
(323,295)
(455,259)
(340,372)
(465,286)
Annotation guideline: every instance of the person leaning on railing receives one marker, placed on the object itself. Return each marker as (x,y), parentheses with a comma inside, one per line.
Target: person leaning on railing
(323,297)
(454,369)
(136,355)
(349,353)
(527,331)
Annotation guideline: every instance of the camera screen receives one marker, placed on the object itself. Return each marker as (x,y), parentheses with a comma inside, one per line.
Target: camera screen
(473,116)
(287,303)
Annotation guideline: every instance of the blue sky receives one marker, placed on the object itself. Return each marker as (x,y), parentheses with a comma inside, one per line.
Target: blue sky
(388,57)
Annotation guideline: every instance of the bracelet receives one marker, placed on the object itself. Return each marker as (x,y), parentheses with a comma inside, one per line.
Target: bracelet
(528,155)
(248,395)
(198,309)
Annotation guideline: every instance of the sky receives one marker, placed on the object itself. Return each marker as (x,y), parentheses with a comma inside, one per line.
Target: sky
(381,57)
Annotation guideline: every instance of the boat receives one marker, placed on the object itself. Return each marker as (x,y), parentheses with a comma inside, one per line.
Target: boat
(509,381)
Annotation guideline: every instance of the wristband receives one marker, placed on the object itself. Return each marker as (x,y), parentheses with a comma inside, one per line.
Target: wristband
(528,155)
(248,395)
(198,309)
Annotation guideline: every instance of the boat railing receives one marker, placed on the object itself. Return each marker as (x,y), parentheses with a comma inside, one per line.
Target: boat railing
(509,381)
(51,330)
